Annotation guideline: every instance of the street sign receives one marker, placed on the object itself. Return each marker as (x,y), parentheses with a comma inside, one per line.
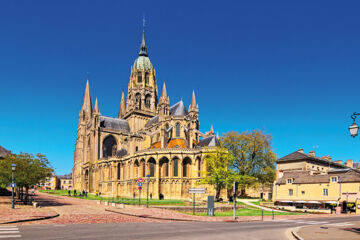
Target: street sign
(148,175)
(140,184)
(197,190)
(140,188)
(140,180)
(13,185)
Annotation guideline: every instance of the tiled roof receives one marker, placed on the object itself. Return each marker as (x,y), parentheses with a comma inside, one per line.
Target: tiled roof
(211,141)
(298,156)
(152,121)
(177,143)
(348,175)
(3,152)
(114,123)
(178,109)
(156,145)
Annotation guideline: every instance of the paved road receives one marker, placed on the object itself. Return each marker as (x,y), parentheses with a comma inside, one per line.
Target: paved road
(172,230)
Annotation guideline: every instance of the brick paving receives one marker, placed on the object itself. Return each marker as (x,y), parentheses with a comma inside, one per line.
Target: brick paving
(20,212)
(74,210)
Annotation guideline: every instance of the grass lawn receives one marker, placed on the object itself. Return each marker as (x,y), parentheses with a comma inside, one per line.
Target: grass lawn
(130,201)
(246,212)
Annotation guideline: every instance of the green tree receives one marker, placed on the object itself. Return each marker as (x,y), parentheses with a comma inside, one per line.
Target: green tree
(218,173)
(30,170)
(252,155)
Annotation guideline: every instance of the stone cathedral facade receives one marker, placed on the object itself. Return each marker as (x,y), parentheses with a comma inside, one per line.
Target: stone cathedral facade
(148,137)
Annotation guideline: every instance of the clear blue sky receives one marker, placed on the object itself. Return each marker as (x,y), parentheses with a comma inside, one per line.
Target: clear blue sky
(290,68)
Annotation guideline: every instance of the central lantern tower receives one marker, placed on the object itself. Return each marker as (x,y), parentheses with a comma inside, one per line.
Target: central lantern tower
(142,100)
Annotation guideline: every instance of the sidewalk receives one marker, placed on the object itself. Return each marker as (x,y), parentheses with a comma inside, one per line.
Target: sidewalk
(249,202)
(349,230)
(20,212)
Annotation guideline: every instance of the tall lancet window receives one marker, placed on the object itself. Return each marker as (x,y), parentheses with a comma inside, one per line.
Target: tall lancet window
(177,129)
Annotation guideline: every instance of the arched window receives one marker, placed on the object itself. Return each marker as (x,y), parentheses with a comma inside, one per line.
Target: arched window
(177,129)
(176,167)
(109,146)
(199,167)
(146,78)
(152,167)
(139,77)
(186,167)
(147,100)
(164,167)
(118,171)
(138,101)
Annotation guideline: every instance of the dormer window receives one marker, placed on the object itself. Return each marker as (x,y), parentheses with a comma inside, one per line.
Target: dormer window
(290,180)
(334,179)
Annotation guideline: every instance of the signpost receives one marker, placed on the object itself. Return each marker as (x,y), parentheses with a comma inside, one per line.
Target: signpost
(140,181)
(147,190)
(194,191)
(234,199)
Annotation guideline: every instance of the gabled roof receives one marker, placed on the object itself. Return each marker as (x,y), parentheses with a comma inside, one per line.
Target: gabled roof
(3,152)
(114,123)
(299,156)
(211,141)
(178,109)
(152,121)
(348,175)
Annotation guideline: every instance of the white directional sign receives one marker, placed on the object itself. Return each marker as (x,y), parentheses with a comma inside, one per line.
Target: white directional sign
(197,190)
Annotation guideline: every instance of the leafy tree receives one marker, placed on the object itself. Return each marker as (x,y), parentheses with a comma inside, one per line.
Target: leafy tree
(30,170)
(253,157)
(218,173)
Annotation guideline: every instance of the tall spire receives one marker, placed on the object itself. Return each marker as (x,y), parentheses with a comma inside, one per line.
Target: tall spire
(122,106)
(143,48)
(87,105)
(96,108)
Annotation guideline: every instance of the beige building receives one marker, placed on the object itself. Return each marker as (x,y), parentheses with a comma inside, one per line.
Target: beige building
(148,137)
(65,182)
(50,183)
(305,181)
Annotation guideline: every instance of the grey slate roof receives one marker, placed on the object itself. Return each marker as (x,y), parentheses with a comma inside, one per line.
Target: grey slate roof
(298,156)
(114,123)
(3,152)
(152,121)
(178,109)
(211,141)
(67,176)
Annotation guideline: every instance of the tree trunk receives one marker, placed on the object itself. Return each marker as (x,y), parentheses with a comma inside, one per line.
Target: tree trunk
(217,197)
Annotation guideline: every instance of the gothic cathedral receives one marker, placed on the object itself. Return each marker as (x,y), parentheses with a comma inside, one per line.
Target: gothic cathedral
(147,138)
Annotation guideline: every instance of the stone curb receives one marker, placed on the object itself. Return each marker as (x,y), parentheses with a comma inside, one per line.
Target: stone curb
(175,219)
(31,219)
(294,232)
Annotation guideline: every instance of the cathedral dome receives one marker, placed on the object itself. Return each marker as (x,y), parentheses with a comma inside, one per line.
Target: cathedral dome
(143,63)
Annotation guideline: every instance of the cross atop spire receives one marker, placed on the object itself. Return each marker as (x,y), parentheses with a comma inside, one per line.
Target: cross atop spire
(143,48)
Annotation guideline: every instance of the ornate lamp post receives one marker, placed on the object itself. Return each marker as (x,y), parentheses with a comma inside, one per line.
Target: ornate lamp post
(13,167)
(354,128)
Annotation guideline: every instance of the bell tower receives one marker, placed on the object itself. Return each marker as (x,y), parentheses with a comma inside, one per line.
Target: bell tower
(142,99)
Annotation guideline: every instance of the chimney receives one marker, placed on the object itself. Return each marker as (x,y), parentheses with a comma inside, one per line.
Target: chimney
(281,173)
(327,158)
(301,150)
(349,163)
(312,153)
(338,162)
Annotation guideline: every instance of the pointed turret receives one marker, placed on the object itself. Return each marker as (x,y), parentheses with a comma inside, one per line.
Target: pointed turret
(122,108)
(164,94)
(193,106)
(87,105)
(96,108)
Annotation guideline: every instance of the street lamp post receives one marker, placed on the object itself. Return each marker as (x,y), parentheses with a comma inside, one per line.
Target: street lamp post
(147,190)
(13,167)
(354,128)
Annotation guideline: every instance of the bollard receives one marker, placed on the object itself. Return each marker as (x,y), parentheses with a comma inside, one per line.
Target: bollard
(272,214)
(262,214)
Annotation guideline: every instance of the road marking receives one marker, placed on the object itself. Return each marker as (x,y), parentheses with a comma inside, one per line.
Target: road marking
(301,221)
(9,230)
(340,224)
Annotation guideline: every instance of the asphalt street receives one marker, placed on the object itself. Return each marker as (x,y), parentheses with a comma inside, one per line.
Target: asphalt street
(173,230)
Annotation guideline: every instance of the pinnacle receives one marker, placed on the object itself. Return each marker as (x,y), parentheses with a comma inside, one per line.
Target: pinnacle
(193,100)
(96,108)
(164,94)
(122,106)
